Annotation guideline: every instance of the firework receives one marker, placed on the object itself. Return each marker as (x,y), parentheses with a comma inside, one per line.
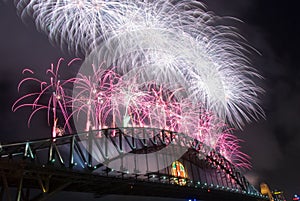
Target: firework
(171,41)
(106,99)
(74,25)
(51,96)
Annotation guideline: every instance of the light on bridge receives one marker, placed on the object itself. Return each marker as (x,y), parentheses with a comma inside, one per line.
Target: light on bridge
(296,197)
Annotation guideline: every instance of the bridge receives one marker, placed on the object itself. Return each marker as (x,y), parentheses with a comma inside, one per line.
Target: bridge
(123,161)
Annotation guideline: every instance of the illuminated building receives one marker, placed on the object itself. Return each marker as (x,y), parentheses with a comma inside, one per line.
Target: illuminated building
(179,172)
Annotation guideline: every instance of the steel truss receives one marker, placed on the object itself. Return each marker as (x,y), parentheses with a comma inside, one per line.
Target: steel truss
(82,163)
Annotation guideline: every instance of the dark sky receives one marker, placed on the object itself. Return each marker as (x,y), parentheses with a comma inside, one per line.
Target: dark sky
(271,27)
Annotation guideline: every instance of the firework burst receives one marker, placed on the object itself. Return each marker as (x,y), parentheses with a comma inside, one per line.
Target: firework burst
(75,25)
(51,96)
(171,41)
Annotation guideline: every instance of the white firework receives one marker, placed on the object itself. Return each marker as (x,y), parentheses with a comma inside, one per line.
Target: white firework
(207,60)
(75,25)
(175,43)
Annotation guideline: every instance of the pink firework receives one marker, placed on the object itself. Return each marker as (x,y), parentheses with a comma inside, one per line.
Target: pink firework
(229,146)
(106,99)
(92,98)
(55,93)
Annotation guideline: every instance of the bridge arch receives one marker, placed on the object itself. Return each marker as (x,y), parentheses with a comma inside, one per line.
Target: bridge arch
(93,153)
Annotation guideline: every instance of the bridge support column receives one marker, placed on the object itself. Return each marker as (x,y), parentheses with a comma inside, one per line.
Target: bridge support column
(19,190)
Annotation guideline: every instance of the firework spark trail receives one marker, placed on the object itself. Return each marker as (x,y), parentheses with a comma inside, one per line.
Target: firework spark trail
(54,91)
(91,95)
(112,102)
(75,24)
(228,146)
(117,102)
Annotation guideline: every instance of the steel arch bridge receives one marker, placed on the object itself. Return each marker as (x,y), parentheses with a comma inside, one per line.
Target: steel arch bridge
(121,161)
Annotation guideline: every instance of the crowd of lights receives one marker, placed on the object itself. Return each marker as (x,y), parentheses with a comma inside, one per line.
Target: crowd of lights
(162,64)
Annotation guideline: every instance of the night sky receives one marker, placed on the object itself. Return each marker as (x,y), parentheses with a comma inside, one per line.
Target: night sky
(271,27)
